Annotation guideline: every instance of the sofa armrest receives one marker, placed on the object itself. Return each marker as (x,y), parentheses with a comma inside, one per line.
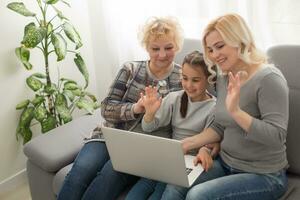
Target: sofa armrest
(58,147)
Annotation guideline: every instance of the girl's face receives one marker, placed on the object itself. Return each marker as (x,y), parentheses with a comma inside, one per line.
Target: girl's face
(162,51)
(225,56)
(194,82)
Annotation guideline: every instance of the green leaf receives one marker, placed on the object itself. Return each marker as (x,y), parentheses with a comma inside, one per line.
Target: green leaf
(70,86)
(72,34)
(20,8)
(27,135)
(91,96)
(39,75)
(60,45)
(96,105)
(34,83)
(49,28)
(69,94)
(86,105)
(24,54)
(26,116)
(33,35)
(48,124)
(82,68)
(66,80)
(50,89)
(40,113)
(51,1)
(22,104)
(38,100)
(62,108)
(59,14)
(77,92)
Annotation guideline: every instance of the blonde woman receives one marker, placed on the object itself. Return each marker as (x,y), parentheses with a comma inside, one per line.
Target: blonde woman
(250,121)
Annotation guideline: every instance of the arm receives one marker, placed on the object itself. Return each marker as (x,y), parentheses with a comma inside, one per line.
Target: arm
(242,118)
(113,108)
(271,127)
(204,157)
(207,136)
(158,112)
(273,103)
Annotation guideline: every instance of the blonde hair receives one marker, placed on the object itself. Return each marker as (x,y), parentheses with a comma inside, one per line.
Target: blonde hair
(235,32)
(157,27)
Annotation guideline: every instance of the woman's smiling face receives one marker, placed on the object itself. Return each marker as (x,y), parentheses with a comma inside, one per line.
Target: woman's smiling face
(220,53)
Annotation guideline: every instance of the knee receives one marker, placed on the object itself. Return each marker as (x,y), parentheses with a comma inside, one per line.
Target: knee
(174,192)
(192,194)
(200,192)
(91,155)
(108,172)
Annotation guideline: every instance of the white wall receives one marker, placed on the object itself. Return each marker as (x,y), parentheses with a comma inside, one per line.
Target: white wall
(13,75)
(103,56)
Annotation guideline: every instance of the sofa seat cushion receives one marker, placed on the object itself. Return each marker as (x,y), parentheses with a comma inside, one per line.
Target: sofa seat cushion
(294,188)
(60,177)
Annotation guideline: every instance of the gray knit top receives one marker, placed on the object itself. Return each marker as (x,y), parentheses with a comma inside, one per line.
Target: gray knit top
(265,97)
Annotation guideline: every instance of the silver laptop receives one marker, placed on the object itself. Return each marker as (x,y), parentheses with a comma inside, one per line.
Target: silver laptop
(151,157)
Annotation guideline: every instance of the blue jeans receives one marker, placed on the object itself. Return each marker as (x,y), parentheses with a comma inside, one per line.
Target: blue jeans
(93,177)
(146,189)
(226,183)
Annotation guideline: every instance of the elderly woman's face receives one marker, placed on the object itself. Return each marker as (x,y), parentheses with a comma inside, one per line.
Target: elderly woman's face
(162,51)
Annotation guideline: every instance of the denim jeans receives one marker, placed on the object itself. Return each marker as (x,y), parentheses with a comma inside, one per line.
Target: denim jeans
(146,189)
(93,177)
(226,183)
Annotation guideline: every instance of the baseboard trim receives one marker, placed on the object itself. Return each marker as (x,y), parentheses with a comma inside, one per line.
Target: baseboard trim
(13,182)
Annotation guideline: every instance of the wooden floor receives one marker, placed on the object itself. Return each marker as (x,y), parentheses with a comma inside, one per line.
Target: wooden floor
(21,192)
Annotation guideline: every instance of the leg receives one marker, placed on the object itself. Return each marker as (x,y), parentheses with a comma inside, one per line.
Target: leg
(88,162)
(108,184)
(244,186)
(158,191)
(178,193)
(142,189)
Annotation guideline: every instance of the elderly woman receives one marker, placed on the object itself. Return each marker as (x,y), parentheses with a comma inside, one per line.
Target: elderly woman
(92,175)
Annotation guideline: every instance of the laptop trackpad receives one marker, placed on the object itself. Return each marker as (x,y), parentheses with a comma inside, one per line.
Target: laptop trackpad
(192,170)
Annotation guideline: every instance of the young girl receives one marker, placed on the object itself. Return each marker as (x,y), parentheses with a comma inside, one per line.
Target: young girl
(188,112)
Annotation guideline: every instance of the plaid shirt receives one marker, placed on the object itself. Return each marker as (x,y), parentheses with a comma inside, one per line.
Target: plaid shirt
(117,107)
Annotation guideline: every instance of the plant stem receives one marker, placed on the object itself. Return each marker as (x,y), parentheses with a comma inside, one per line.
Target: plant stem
(37,20)
(71,51)
(46,59)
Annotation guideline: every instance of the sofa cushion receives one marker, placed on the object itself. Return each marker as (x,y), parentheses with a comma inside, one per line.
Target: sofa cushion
(287,59)
(60,177)
(58,147)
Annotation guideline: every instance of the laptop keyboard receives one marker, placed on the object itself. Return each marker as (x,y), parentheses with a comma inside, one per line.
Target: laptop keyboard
(188,170)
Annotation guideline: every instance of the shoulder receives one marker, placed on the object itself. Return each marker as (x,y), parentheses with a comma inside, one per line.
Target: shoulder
(271,76)
(132,66)
(173,96)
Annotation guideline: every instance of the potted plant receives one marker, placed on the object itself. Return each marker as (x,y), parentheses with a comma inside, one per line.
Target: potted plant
(53,103)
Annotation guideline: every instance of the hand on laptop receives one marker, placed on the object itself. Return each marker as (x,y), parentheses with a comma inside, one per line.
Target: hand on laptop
(204,158)
(215,148)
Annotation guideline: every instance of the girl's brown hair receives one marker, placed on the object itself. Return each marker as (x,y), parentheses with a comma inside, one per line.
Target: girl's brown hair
(196,60)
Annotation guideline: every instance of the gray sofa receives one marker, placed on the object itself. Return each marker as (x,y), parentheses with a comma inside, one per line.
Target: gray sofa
(50,156)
